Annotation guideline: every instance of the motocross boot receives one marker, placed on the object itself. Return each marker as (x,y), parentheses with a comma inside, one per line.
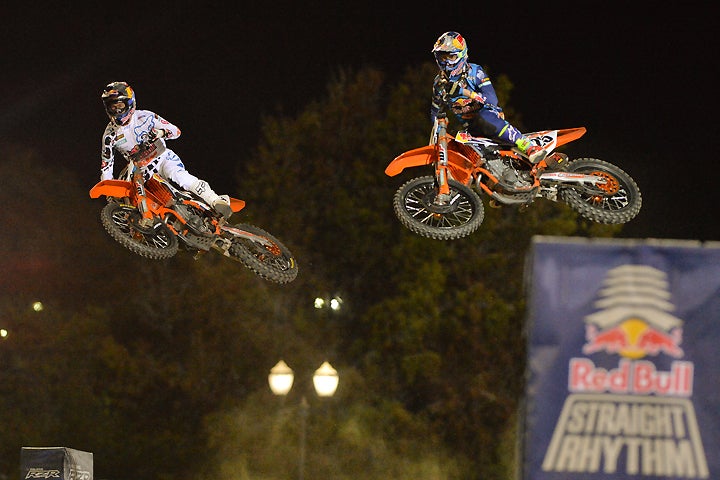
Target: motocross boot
(533,152)
(222,206)
(219,203)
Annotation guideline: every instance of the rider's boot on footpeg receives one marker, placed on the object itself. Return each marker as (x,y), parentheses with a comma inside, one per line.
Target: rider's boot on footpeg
(535,154)
(219,203)
(222,206)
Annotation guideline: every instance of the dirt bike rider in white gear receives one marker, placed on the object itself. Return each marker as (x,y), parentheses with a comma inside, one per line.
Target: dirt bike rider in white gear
(465,89)
(129,127)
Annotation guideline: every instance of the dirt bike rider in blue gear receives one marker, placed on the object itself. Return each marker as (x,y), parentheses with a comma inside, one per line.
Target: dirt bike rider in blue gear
(129,128)
(465,90)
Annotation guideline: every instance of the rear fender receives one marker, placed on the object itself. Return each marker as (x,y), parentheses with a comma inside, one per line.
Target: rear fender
(570,134)
(552,139)
(236,204)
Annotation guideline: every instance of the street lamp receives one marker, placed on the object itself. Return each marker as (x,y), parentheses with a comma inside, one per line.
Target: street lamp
(325,381)
(281,378)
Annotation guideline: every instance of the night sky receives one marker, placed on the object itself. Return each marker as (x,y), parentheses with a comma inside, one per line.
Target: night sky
(640,82)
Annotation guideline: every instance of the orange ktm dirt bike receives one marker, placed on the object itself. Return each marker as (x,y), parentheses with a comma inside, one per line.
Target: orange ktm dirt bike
(153,218)
(446,204)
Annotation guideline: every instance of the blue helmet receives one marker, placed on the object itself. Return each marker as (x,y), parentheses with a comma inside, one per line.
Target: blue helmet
(451,53)
(119,101)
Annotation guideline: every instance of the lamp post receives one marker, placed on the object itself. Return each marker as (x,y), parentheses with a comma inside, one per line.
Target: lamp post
(325,381)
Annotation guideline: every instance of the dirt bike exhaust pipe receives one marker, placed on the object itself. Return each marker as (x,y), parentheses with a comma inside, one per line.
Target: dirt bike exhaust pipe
(567,177)
(248,236)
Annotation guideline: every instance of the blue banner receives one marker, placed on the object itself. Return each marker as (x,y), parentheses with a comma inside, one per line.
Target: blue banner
(623,360)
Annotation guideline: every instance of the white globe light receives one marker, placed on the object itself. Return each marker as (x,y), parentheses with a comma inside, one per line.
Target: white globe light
(281,378)
(325,380)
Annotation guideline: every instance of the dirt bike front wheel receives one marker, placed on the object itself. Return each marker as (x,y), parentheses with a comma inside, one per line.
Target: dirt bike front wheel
(616,200)
(416,207)
(272,262)
(122,222)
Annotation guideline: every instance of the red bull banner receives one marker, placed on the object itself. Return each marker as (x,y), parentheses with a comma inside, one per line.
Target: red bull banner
(623,360)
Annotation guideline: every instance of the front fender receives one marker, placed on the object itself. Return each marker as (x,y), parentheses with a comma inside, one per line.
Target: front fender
(111,188)
(460,166)
(412,158)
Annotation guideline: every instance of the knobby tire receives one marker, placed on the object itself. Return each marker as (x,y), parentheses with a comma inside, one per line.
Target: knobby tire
(413,206)
(619,201)
(156,243)
(280,268)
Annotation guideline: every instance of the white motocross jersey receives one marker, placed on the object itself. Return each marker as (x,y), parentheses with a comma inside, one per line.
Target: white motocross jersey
(127,138)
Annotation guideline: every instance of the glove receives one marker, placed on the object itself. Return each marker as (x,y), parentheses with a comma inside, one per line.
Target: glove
(156,133)
(477,97)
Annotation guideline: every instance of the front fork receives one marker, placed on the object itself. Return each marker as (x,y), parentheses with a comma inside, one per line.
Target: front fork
(441,168)
(139,182)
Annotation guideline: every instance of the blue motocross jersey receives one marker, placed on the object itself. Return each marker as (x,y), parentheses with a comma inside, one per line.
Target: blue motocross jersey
(445,97)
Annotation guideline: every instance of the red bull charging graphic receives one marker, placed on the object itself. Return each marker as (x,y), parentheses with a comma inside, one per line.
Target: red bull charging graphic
(624,369)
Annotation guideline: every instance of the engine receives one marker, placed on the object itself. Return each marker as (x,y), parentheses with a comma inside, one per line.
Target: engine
(508,175)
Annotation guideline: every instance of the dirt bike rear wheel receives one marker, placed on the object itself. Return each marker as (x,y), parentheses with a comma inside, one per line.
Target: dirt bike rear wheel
(121,222)
(616,201)
(414,207)
(275,263)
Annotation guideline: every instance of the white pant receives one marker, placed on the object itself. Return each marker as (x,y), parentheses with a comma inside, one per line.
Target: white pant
(169,166)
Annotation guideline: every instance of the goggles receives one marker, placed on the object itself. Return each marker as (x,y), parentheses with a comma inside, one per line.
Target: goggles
(116,107)
(447,58)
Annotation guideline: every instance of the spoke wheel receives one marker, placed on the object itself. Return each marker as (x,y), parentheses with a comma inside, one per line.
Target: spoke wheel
(616,200)
(122,222)
(415,206)
(272,261)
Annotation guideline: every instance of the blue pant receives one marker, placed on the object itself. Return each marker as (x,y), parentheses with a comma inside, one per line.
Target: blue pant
(488,122)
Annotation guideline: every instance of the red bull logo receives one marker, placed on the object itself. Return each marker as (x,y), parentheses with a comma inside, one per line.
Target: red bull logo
(631,377)
(634,319)
(633,322)
(633,338)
